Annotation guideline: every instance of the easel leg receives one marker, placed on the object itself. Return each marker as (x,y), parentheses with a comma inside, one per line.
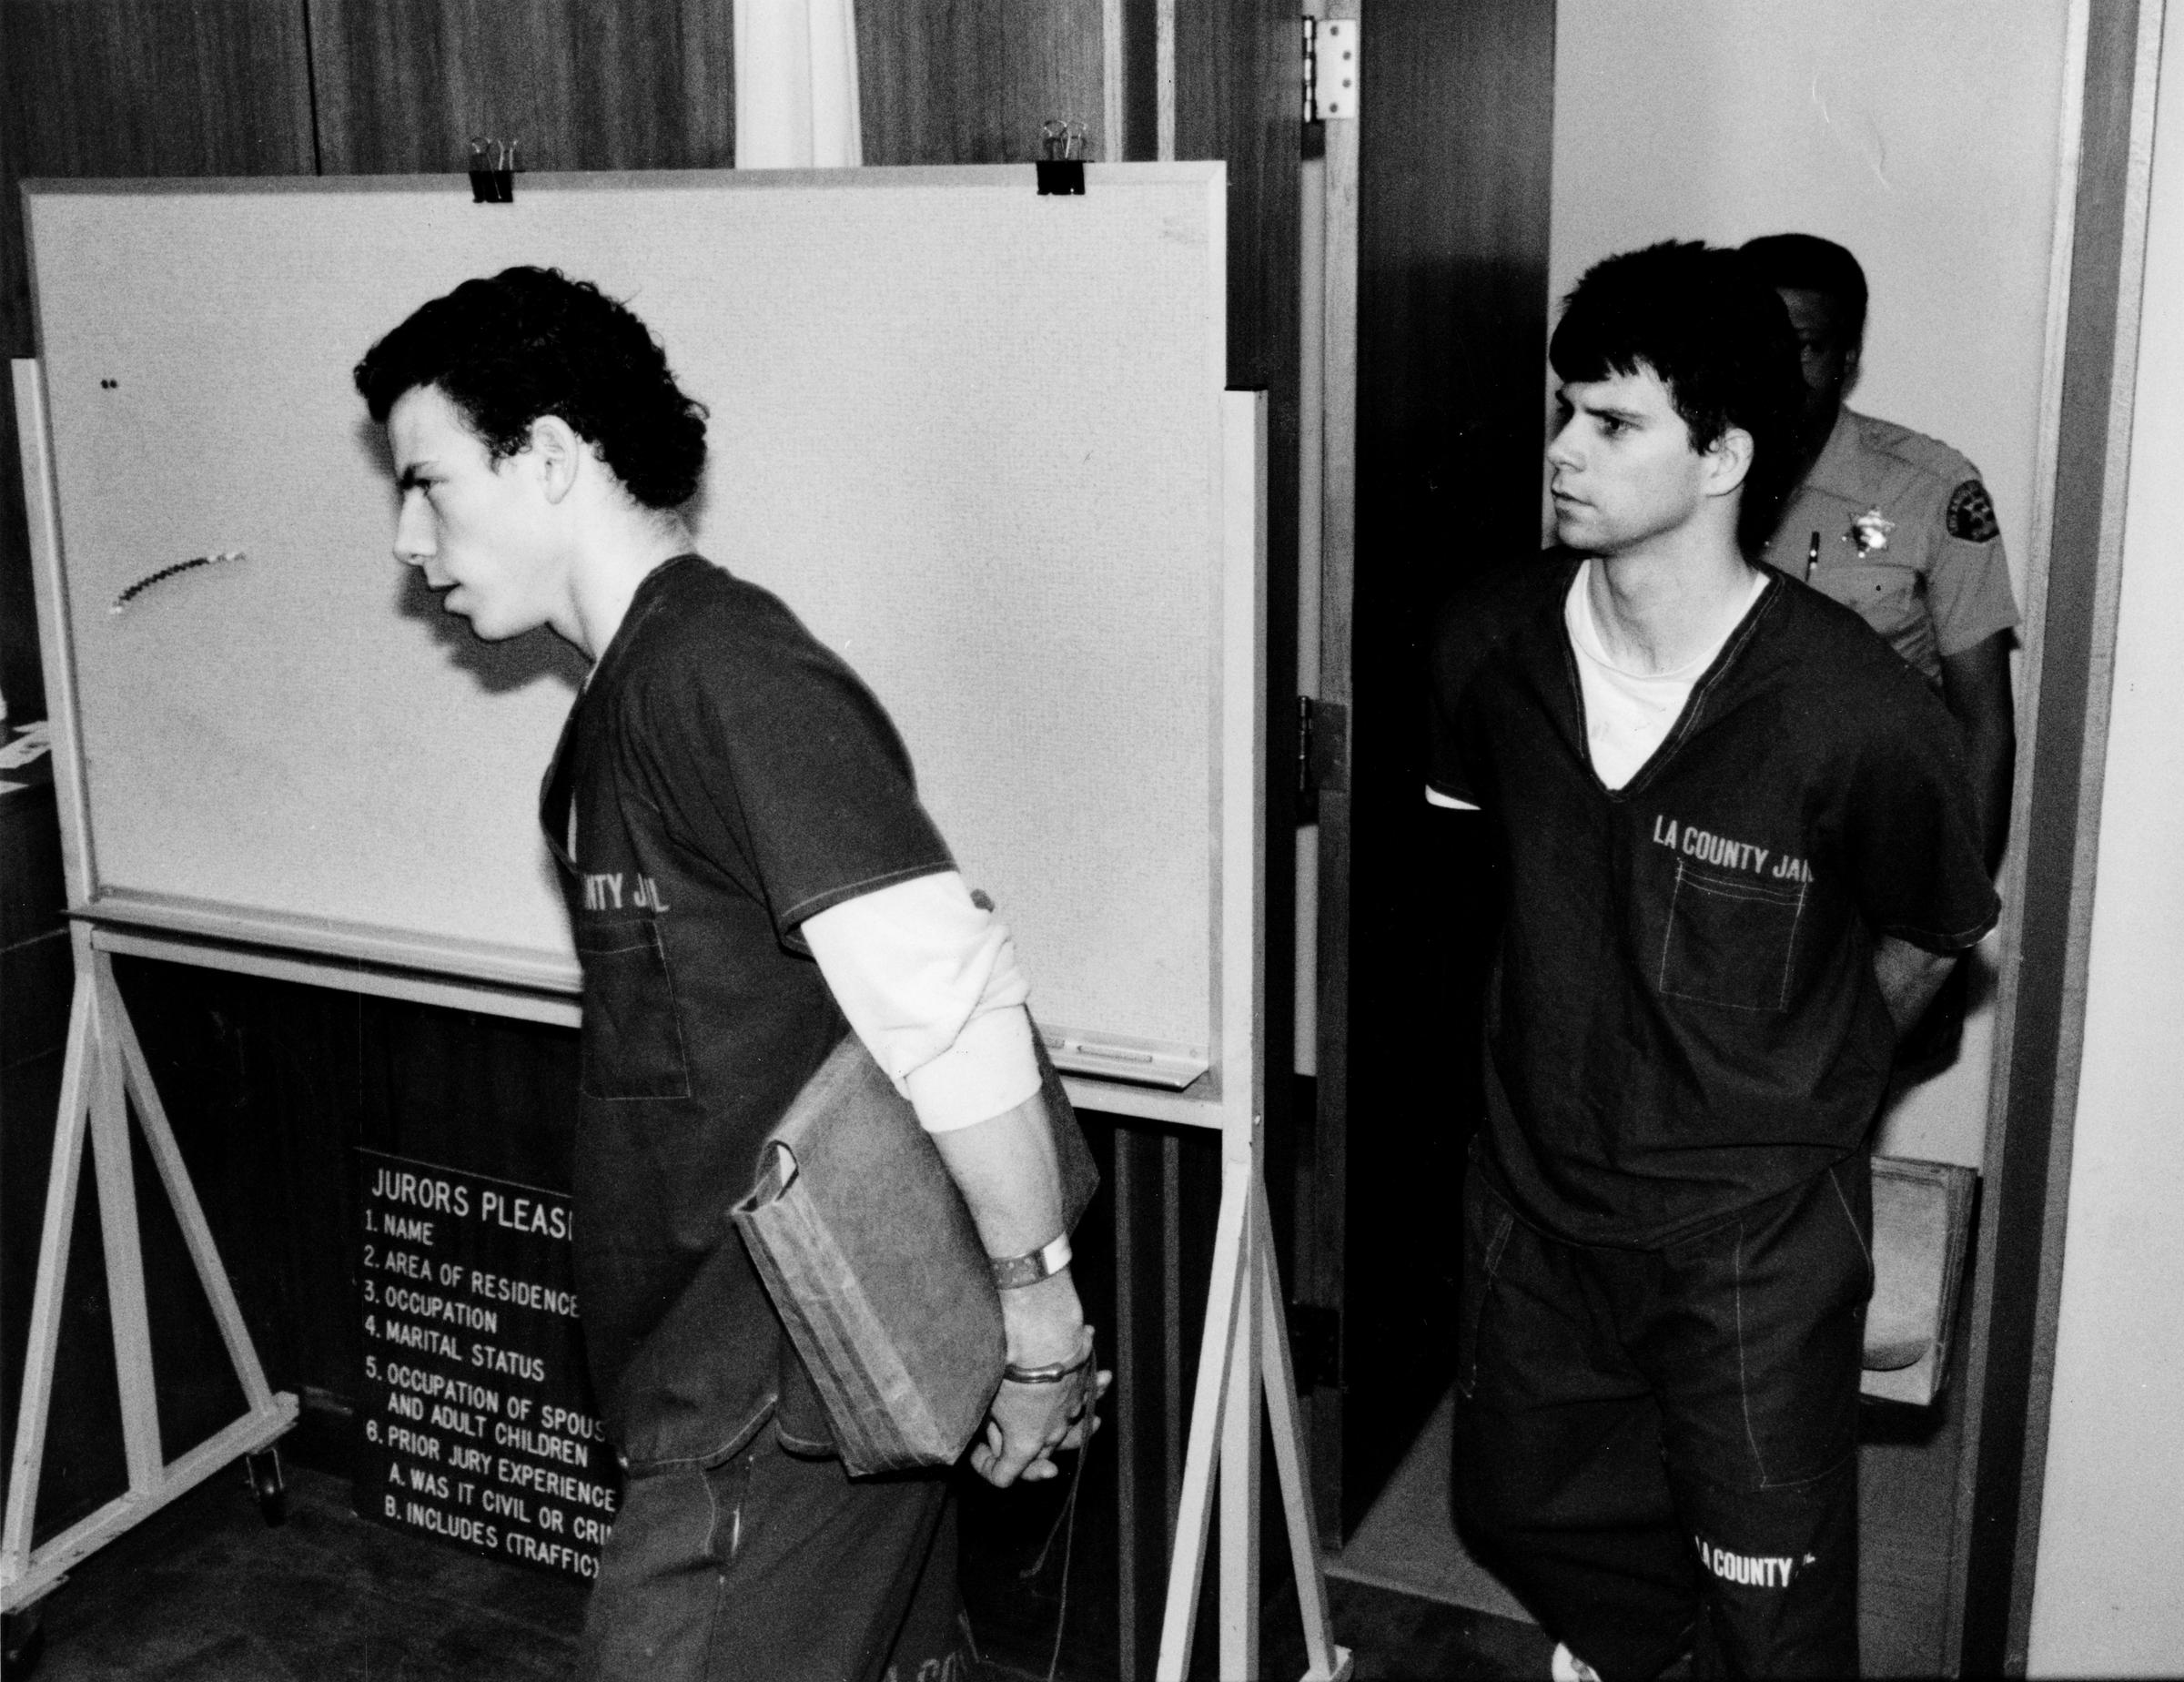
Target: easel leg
(104,1069)
(196,1234)
(79,1079)
(1240,1460)
(111,1158)
(1245,1351)
(1186,1562)
(1328,1663)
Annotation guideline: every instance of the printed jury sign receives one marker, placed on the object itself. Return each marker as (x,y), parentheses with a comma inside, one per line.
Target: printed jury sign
(478,1422)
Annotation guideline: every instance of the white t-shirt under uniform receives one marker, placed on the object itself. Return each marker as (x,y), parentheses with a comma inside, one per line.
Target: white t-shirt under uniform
(1628,714)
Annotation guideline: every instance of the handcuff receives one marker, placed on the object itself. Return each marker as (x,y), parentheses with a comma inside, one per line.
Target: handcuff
(1054,1372)
(1013,1273)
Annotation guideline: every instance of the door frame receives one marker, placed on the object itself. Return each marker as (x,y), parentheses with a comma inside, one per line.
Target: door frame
(2094,307)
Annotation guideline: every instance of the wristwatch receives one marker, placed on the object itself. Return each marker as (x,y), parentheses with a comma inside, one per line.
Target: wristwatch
(1012,1273)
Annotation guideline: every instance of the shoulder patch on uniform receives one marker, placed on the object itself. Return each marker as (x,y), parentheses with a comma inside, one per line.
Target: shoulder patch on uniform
(1971,514)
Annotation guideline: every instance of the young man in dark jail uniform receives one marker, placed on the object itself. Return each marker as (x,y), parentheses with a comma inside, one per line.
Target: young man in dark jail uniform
(1740,852)
(1905,531)
(746,866)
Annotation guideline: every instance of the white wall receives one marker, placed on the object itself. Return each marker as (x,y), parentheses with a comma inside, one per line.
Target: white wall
(2108,1596)
(1921,134)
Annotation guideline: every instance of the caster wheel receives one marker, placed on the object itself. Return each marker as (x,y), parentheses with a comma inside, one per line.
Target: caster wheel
(264,1469)
(22,1641)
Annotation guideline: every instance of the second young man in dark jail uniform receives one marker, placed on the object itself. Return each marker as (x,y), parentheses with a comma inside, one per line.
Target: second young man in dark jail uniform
(1740,852)
(746,864)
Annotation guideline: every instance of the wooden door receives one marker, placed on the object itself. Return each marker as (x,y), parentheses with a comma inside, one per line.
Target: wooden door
(1454,150)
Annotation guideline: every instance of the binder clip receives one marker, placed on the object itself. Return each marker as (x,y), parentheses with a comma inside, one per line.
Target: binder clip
(1061,160)
(492,170)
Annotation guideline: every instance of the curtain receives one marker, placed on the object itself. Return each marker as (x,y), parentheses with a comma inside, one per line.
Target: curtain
(796,85)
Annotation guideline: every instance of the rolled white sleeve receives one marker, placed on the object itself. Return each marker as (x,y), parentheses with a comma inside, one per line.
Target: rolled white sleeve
(930,983)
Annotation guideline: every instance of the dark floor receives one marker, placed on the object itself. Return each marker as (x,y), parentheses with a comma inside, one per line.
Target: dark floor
(205,1590)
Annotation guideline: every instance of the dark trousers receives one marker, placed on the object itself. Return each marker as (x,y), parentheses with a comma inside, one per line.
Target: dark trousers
(770,1567)
(1658,1449)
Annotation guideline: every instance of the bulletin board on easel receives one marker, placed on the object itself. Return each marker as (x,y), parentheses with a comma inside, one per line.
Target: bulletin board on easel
(974,436)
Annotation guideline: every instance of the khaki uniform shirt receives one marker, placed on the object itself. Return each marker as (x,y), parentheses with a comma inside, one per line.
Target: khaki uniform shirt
(1906,538)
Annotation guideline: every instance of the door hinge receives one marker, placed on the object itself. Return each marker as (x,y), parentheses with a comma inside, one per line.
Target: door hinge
(1322,753)
(1315,1345)
(1331,68)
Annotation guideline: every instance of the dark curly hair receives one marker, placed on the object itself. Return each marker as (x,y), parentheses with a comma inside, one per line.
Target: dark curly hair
(1716,336)
(531,342)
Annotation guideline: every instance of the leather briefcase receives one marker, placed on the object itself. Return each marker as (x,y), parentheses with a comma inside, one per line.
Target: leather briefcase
(874,1265)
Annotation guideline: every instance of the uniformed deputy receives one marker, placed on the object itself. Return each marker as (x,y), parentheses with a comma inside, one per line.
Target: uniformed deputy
(1895,525)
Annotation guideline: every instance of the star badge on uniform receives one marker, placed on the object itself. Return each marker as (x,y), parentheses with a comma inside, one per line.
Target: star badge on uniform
(1870,531)
(1972,513)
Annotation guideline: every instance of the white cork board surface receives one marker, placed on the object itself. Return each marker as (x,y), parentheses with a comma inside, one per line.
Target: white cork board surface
(971,435)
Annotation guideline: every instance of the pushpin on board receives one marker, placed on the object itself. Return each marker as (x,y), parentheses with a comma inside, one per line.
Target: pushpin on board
(1061,161)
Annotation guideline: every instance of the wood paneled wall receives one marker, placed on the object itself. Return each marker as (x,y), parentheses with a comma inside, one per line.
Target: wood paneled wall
(971,81)
(400,85)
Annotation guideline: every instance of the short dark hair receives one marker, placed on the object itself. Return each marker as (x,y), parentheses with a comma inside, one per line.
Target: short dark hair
(531,342)
(1807,263)
(1719,340)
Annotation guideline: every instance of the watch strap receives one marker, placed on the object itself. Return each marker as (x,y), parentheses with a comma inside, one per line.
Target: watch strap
(1014,1272)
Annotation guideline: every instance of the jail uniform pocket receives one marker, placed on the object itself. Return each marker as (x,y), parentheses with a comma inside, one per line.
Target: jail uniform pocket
(633,1038)
(1729,939)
